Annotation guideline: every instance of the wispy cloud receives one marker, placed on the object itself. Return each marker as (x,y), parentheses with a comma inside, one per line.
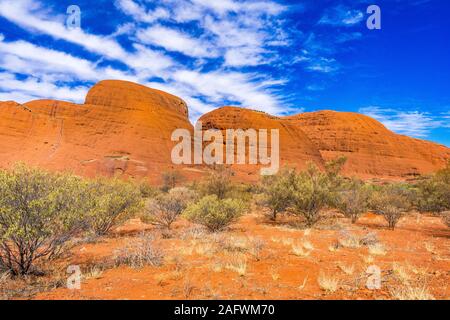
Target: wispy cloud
(224,35)
(412,123)
(33,88)
(341,16)
(174,40)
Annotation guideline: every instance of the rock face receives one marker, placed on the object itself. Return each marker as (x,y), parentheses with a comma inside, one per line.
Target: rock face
(371,149)
(296,148)
(125,129)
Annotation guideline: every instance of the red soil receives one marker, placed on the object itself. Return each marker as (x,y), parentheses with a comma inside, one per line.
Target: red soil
(417,255)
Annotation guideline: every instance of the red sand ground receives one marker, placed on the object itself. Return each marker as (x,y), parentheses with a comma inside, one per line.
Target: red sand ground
(417,255)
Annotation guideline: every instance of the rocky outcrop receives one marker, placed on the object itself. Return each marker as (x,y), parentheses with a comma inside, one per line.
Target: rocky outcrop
(125,129)
(371,149)
(122,129)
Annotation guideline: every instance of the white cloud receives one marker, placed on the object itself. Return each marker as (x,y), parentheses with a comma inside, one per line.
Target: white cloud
(411,123)
(31,87)
(323,65)
(26,58)
(219,86)
(29,14)
(341,16)
(141,14)
(174,40)
(230,33)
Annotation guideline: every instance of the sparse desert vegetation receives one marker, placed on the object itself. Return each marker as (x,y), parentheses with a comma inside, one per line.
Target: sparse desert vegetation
(317,242)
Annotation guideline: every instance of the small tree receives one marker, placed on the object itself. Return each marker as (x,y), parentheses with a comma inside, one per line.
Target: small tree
(218,182)
(333,170)
(166,208)
(311,194)
(354,201)
(39,213)
(278,191)
(433,193)
(170,180)
(214,213)
(111,202)
(391,201)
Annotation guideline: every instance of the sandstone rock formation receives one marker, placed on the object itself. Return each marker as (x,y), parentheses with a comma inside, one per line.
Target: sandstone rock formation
(125,129)
(296,148)
(371,149)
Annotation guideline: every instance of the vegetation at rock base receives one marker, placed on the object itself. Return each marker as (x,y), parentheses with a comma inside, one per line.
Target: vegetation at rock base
(214,213)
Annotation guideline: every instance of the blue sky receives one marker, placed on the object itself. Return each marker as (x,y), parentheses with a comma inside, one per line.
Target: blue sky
(279,56)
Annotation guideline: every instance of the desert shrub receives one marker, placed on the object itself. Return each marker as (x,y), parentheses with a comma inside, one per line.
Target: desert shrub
(391,201)
(218,182)
(141,253)
(240,191)
(39,213)
(333,169)
(215,213)
(166,208)
(277,191)
(111,202)
(311,194)
(170,179)
(433,193)
(147,190)
(354,201)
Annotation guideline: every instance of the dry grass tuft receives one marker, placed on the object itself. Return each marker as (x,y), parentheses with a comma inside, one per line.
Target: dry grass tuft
(349,240)
(328,283)
(307,245)
(139,254)
(287,241)
(401,273)
(368,259)
(300,251)
(93,273)
(348,270)
(377,249)
(238,263)
(411,293)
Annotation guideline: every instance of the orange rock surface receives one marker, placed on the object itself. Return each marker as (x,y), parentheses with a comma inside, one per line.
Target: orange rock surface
(296,149)
(371,149)
(125,128)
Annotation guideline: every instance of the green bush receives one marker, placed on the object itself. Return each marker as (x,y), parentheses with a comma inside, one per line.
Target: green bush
(218,183)
(277,191)
(391,201)
(214,213)
(147,190)
(354,200)
(311,194)
(39,213)
(432,194)
(166,208)
(111,202)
